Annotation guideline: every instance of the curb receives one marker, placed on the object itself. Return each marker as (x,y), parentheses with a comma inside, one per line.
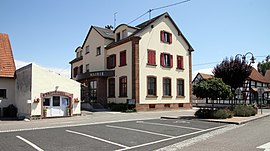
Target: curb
(216,121)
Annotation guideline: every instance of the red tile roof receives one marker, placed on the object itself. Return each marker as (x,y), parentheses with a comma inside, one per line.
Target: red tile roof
(267,75)
(206,76)
(7,65)
(256,76)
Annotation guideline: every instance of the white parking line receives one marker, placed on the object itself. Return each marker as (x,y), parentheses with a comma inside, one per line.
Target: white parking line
(30,143)
(167,139)
(138,130)
(159,124)
(100,139)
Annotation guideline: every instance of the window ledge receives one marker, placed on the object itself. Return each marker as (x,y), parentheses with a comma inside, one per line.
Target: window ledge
(180,68)
(166,67)
(122,65)
(122,96)
(151,64)
(151,96)
(111,96)
(166,96)
(180,96)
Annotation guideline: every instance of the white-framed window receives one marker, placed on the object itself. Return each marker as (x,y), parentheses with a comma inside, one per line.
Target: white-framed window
(87,49)
(98,51)
(87,67)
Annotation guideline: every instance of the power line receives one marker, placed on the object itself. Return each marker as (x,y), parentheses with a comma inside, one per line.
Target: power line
(150,10)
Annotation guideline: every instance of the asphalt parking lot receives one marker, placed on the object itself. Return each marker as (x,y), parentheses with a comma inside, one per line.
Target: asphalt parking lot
(131,135)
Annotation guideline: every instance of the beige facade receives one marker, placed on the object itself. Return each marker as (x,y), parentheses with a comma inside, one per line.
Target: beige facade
(158,85)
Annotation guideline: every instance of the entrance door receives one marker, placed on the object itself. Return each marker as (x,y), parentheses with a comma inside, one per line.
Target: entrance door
(93,91)
(56,106)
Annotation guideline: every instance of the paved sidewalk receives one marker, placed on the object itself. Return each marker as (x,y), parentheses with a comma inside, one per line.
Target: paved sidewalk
(233,120)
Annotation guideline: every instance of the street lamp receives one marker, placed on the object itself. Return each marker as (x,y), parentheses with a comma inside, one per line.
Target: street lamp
(252,60)
(244,56)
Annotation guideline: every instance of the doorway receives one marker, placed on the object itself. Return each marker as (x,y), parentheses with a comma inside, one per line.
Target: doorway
(56,105)
(93,91)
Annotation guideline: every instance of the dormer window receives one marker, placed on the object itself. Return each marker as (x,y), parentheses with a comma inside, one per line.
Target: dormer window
(124,34)
(79,54)
(118,36)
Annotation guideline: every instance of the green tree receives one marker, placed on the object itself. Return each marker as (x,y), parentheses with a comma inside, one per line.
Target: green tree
(264,65)
(212,88)
(233,72)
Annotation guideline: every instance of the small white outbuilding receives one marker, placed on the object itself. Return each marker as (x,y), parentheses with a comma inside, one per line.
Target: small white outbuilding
(41,93)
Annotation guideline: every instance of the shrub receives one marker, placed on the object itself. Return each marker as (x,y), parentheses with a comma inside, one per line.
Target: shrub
(222,114)
(121,107)
(244,111)
(216,114)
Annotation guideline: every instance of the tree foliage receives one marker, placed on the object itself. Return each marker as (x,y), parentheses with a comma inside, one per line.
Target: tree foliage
(212,88)
(233,72)
(264,65)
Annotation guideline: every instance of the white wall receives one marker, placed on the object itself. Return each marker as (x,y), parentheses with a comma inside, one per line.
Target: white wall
(45,81)
(9,85)
(150,39)
(23,90)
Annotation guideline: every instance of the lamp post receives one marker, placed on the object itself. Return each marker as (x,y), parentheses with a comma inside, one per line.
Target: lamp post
(252,60)
(244,57)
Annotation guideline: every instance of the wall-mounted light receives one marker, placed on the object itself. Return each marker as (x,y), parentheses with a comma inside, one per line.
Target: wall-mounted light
(56,88)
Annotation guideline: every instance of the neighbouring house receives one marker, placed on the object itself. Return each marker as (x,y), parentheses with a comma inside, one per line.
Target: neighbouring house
(201,76)
(7,70)
(148,65)
(249,91)
(42,93)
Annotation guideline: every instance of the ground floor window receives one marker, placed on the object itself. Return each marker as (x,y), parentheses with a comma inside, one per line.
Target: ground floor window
(112,87)
(151,86)
(167,87)
(56,100)
(123,86)
(180,87)
(3,93)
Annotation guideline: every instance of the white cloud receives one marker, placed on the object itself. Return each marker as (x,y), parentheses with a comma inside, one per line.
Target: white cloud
(61,71)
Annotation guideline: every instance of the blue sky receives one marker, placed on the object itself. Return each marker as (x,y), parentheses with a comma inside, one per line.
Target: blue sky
(47,32)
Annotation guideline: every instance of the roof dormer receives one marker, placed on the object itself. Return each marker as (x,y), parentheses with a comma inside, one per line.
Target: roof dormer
(122,31)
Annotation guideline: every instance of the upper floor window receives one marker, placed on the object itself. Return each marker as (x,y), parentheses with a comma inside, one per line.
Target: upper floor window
(167,87)
(87,67)
(124,33)
(180,87)
(123,86)
(151,57)
(117,36)
(123,57)
(79,54)
(81,69)
(180,62)
(111,61)
(87,49)
(98,51)
(151,86)
(75,72)
(3,93)
(166,37)
(166,60)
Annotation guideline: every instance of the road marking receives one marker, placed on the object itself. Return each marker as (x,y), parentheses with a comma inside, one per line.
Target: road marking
(265,146)
(71,125)
(100,139)
(138,130)
(167,139)
(159,124)
(30,143)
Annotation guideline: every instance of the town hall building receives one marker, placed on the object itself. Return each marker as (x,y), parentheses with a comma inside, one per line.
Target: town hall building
(148,64)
